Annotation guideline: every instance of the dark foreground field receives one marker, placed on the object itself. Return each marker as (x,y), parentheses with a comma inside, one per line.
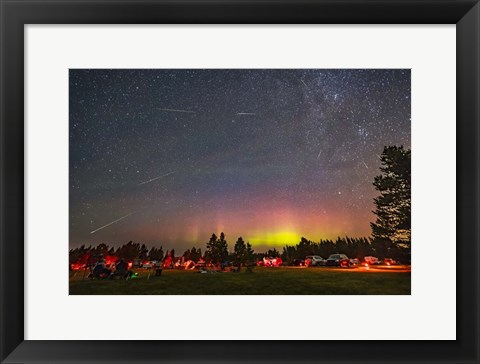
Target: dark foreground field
(263,281)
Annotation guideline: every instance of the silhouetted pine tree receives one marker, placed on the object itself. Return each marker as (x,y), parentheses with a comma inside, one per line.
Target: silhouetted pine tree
(392,228)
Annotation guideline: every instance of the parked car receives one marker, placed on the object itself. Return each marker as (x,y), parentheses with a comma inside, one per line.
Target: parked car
(389,261)
(298,263)
(338,260)
(147,265)
(371,260)
(314,261)
(272,262)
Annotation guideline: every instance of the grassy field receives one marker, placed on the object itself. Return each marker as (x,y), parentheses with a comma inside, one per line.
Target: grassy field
(263,281)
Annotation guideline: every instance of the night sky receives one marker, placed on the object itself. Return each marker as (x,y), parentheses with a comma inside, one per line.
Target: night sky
(168,157)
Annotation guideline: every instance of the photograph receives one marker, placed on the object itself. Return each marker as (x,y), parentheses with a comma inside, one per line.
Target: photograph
(239,182)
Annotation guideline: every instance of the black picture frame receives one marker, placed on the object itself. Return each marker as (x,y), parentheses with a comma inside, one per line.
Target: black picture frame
(15,14)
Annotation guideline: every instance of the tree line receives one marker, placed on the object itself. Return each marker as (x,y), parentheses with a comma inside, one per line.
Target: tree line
(217,251)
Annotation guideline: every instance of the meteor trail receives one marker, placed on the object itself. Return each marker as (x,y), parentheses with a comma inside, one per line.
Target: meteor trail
(304,83)
(111,223)
(245,113)
(178,110)
(365,164)
(319,153)
(153,179)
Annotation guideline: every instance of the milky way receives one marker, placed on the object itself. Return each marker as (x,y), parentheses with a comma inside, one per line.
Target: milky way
(172,156)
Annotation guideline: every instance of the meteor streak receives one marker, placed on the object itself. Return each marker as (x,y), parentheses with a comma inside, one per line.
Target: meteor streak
(245,113)
(365,164)
(111,223)
(304,83)
(154,179)
(178,110)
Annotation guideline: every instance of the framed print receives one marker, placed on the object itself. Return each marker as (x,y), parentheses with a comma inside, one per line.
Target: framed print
(199,159)
(239,181)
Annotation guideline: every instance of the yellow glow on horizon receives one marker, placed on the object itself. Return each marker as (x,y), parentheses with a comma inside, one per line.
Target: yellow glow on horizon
(276,238)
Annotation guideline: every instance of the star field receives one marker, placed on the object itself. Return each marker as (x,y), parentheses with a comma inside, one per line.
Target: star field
(269,155)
